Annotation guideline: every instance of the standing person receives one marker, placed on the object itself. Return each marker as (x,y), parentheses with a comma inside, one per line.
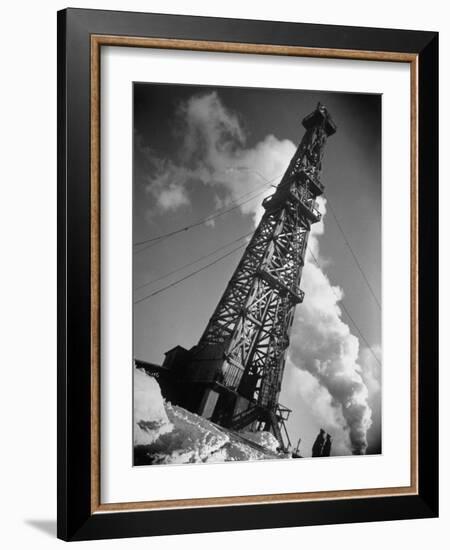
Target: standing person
(318,443)
(326,449)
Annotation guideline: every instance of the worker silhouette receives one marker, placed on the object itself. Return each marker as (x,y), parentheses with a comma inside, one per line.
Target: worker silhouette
(326,449)
(318,443)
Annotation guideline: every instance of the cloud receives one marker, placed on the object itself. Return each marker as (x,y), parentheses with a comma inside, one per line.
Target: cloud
(209,130)
(213,153)
(323,346)
(172,196)
(371,372)
(321,406)
(372,375)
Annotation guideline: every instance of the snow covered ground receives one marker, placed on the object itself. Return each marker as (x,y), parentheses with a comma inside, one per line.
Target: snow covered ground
(150,417)
(168,434)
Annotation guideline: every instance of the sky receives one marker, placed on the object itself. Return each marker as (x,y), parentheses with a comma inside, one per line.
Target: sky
(200,150)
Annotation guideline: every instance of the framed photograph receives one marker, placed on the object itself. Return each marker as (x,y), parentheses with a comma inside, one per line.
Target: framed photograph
(247,253)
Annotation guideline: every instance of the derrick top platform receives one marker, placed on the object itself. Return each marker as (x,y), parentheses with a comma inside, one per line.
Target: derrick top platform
(318,117)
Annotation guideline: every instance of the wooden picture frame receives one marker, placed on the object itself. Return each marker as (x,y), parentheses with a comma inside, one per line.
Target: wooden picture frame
(81,35)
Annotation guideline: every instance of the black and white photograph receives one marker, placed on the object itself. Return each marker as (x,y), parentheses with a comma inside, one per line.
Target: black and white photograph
(256,274)
(223,283)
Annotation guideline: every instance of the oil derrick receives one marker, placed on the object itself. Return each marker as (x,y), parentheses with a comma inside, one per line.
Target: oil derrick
(233,375)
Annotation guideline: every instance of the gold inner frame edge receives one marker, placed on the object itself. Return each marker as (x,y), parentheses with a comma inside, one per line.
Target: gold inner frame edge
(97,41)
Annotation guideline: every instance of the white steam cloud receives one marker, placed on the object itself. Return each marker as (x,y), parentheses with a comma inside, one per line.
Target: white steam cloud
(323,346)
(323,351)
(213,152)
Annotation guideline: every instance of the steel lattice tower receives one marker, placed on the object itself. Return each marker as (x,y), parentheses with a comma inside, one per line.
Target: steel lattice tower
(235,371)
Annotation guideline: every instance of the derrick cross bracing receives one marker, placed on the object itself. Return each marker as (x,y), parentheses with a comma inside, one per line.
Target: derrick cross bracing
(240,357)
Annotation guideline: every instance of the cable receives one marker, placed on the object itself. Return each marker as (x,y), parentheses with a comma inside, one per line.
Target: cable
(156,240)
(235,204)
(353,254)
(193,262)
(189,275)
(341,303)
(247,169)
